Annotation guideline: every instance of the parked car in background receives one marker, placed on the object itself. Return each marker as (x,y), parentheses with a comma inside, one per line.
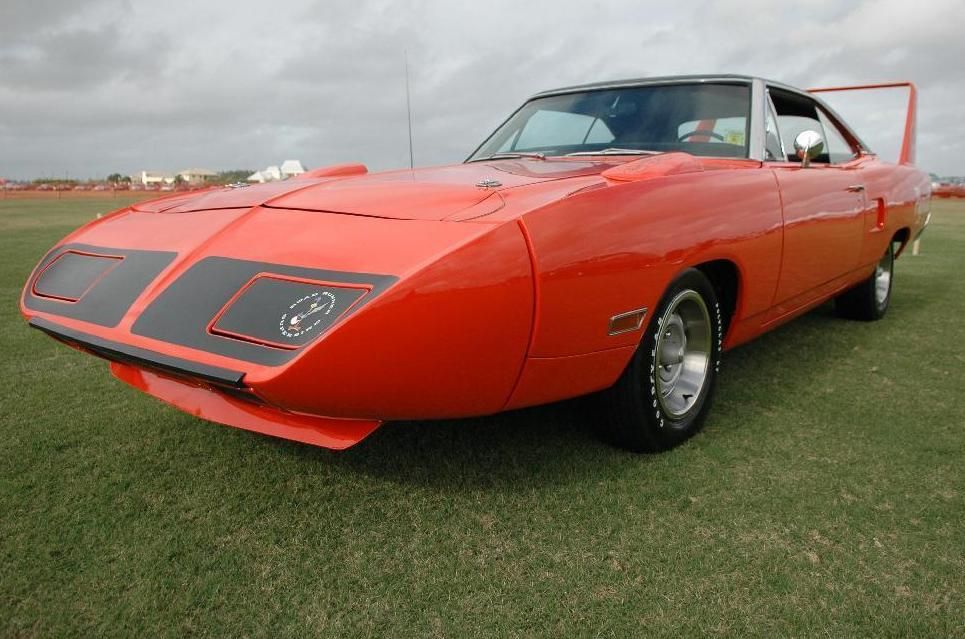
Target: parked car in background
(948,189)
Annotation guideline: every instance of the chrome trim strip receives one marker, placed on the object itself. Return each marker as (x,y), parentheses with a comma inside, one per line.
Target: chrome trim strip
(769,106)
(640,82)
(755,143)
(641,312)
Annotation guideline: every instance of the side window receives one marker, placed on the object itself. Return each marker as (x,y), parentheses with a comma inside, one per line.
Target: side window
(791,126)
(797,113)
(773,151)
(838,148)
(558,128)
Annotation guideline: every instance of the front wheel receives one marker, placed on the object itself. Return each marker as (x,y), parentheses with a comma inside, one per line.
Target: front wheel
(869,300)
(664,394)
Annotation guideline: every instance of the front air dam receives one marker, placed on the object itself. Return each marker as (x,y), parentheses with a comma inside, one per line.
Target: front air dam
(217,406)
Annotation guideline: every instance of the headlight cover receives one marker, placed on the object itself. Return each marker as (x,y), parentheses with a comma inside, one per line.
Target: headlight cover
(284,312)
(71,274)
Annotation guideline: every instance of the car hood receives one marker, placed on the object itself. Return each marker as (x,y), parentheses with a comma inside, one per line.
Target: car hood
(434,193)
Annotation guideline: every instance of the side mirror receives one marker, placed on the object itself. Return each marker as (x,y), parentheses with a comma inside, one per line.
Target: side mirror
(808,145)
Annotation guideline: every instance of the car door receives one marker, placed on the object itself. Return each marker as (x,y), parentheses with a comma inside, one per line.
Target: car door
(823,204)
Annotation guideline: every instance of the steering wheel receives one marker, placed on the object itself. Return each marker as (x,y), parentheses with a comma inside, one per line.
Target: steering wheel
(700,132)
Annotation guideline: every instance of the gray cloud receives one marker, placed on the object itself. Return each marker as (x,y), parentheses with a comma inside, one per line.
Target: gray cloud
(100,86)
(79,60)
(21,21)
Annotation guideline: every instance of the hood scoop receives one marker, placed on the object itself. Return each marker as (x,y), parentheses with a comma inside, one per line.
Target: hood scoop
(653,166)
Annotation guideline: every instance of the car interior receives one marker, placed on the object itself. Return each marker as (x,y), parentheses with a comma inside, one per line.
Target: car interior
(797,113)
(702,119)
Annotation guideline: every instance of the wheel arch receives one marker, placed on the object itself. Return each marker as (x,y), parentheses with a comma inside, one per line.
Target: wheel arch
(902,236)
(725,277)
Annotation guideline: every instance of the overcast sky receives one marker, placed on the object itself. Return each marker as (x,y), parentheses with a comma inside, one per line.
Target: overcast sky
(90,87)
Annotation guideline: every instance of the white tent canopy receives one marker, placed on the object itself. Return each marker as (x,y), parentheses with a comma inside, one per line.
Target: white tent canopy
(288,168)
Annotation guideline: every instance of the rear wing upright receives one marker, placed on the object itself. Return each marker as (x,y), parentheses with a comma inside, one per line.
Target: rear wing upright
(907,154)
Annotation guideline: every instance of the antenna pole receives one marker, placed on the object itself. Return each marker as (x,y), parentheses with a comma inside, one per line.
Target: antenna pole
(408,104)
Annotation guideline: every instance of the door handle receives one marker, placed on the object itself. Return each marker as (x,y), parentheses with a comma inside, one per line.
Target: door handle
(856,188)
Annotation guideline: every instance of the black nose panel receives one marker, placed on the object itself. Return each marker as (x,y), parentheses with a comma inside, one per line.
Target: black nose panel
(92,283)
(198,309)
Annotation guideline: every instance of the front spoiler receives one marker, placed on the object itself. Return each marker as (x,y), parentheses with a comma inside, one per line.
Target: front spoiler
(209,392)
(117,352)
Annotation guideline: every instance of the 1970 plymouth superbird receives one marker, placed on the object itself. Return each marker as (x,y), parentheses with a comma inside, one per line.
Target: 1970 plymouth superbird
(611,237)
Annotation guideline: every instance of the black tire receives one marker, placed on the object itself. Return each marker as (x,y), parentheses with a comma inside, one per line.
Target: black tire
(639,408)
(869,300)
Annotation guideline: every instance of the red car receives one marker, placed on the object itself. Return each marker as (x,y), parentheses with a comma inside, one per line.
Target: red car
(612,237)
(946,189)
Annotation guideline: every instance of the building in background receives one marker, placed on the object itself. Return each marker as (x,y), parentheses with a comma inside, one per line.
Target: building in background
(148,178)
(197,176)
(288,168)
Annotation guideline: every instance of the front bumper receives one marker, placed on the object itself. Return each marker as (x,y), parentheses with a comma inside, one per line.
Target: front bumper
(209,392)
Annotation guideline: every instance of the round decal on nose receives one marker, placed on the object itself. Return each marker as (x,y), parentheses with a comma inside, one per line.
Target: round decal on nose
(282,313)
(306,313)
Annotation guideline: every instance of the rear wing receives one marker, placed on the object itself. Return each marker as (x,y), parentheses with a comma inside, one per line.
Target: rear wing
(907,154)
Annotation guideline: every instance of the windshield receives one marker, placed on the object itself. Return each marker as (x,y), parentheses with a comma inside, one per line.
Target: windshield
(700,118)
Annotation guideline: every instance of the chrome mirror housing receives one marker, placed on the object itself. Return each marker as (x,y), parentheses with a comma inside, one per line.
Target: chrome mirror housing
(808,145)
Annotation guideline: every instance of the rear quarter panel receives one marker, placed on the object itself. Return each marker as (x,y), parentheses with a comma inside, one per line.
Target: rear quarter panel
(898,197)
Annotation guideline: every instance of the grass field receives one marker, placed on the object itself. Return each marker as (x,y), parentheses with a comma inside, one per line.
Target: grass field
(824,498)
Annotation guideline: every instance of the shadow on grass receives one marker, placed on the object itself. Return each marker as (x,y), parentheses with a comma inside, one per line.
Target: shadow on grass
(555,443)
(560,442)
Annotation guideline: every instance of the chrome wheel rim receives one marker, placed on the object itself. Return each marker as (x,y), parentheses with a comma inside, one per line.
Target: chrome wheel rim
(682,355)
(883,279)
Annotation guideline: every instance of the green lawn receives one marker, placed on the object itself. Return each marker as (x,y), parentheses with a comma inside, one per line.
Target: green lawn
(824,498)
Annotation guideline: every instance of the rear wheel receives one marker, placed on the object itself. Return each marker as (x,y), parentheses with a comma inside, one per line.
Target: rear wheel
(664,394)
(869,300)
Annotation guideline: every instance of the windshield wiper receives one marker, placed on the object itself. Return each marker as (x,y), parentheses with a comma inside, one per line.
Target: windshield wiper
(615,151)
(510,155)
